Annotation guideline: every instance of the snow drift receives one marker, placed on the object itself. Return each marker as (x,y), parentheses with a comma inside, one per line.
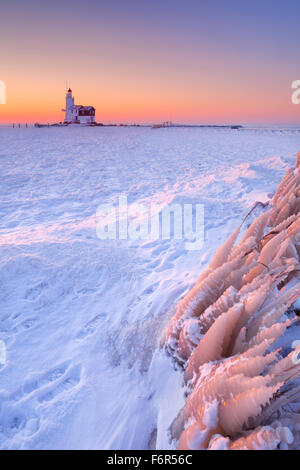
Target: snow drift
(243,391)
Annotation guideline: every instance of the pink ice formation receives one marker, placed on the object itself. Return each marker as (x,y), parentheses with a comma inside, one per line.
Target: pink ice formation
(243,393)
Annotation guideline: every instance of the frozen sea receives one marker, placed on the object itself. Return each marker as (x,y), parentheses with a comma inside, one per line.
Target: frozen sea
(81,318)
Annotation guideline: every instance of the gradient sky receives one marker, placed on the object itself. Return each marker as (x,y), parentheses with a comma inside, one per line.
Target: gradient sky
(193,61)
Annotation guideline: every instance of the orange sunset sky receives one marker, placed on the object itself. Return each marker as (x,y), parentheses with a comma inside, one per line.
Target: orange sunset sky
(137,61)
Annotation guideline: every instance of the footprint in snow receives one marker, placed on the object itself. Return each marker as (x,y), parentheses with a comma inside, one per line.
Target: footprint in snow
(14,420)
(150,289)
(34,292)
(91,326)
(65,383)
(39,382)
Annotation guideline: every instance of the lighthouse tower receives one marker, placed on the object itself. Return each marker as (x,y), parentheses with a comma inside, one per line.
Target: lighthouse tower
(69,106)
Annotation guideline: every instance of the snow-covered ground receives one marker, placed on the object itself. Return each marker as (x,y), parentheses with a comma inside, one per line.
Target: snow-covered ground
(82,318)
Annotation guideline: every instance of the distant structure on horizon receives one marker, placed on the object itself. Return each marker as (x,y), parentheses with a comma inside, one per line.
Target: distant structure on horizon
(77,114)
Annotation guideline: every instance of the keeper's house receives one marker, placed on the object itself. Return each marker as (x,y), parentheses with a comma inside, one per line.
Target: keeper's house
(77,114)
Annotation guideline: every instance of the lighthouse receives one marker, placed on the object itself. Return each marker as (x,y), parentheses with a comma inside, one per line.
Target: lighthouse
(77,114)
(69,106)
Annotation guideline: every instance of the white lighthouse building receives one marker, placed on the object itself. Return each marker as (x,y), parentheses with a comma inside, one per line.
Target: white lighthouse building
(77,114)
